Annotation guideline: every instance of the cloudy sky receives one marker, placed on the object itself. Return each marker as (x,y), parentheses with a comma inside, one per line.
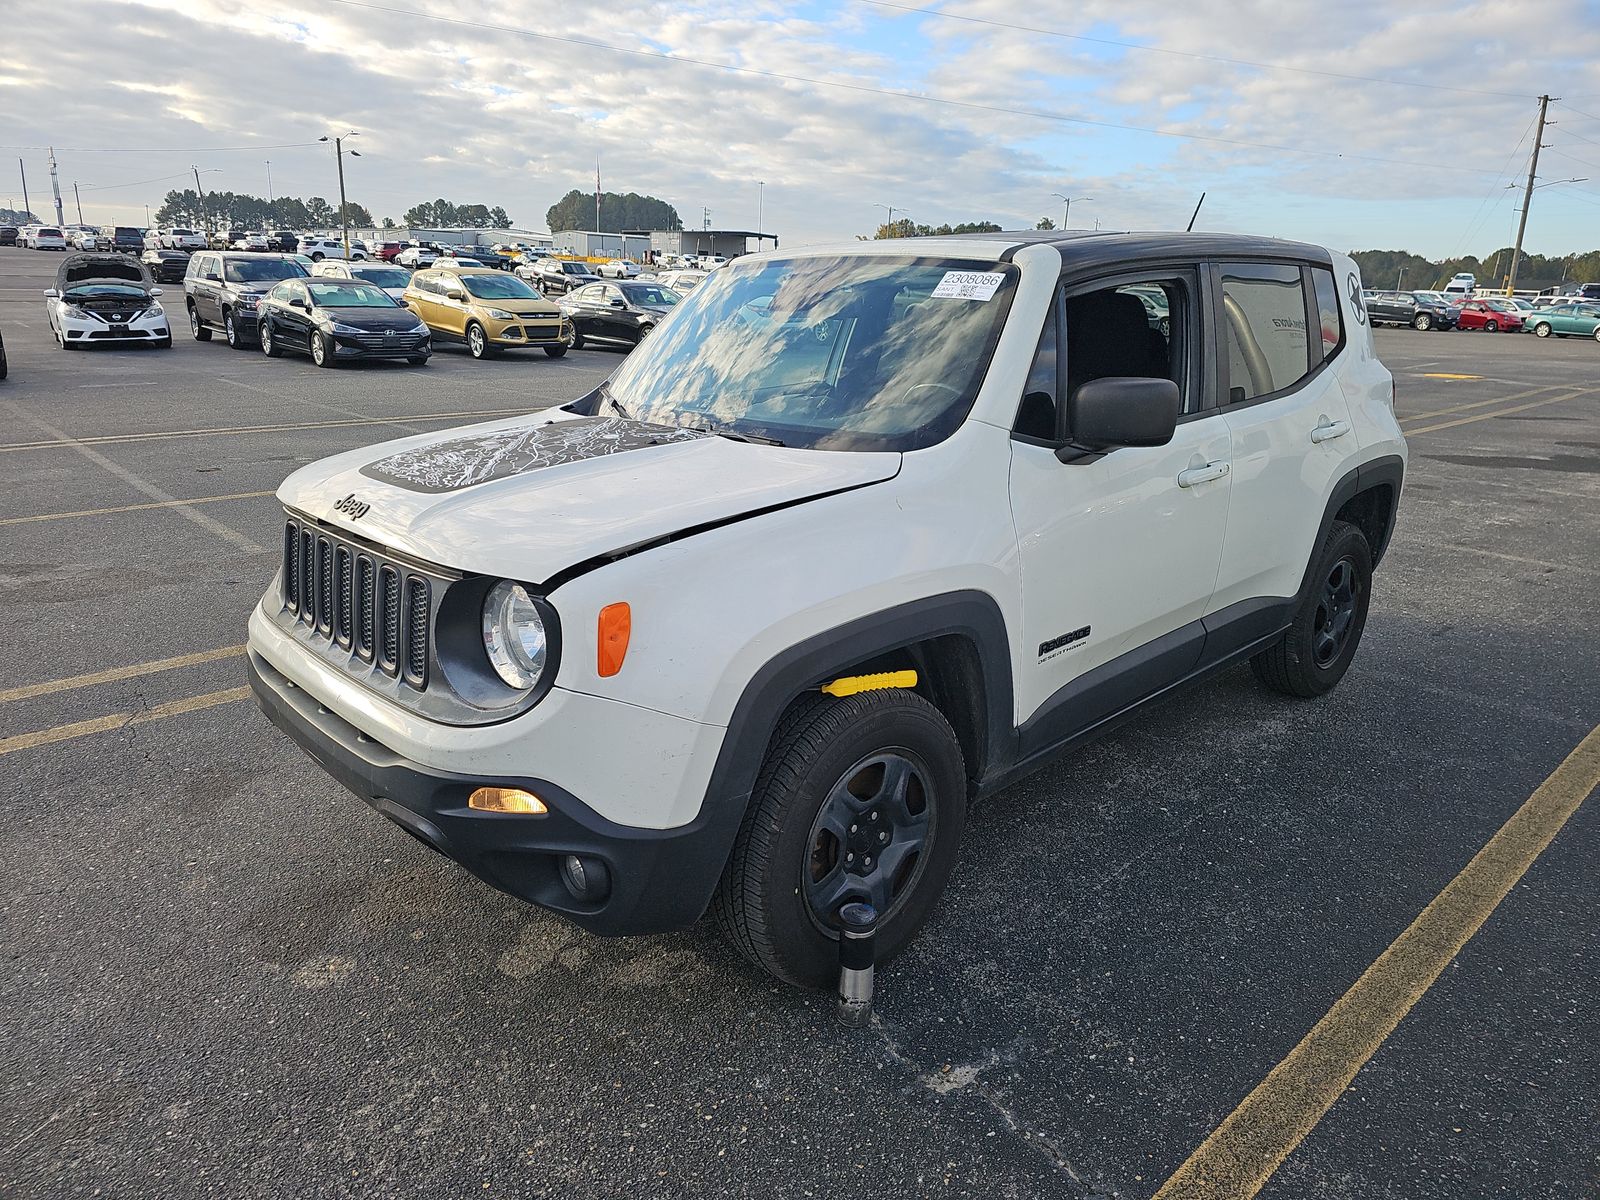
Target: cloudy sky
(1000,104)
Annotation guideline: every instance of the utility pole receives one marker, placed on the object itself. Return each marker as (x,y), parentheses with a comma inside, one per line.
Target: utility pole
(344,208)
(1527,195)
(55,185)
(27,211)
(269,181)
(205,219)
(78,200)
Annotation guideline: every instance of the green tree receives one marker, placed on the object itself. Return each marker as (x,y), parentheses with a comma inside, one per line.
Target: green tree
(1045,223)
(618,211)
(442,214)
(357,214)
(905,228)
(388,223)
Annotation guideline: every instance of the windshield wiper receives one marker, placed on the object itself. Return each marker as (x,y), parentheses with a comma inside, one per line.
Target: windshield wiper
(722,429)
(617,405)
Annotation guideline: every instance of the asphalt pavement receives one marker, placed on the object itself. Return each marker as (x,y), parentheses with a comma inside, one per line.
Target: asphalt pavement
(224,976)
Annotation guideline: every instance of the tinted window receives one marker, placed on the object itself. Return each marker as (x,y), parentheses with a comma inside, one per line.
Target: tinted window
(1328,314)
(1264,312)
(1125,331)
(384,277)
(649,295)
(348,293)
(260,270)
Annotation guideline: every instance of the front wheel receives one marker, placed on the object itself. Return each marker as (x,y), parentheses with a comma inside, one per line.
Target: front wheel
(197,326)
(321,352)
(1491,326)
(862,798)
(477,341)
(1313,655)
(1422,322)
(230,331)
(1542,329)
(269,343)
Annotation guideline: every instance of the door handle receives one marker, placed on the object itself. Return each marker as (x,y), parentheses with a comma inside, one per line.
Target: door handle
(1328,430)
(1203,474)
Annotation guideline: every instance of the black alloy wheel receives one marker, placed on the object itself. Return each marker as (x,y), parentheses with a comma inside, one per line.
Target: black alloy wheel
(1336,612)
(1491,326)
(867,840)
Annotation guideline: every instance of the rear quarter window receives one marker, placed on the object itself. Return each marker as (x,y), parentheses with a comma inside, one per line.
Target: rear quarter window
(1264,325)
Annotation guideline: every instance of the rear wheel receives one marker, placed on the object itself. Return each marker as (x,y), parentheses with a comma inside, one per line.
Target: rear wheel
(1597,333)
(577,338)
(862,798)
(269,343)
(197,326)
(1542,329)
(1316,651)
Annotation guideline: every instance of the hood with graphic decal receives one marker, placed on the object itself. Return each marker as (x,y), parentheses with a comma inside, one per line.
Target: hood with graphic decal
(531,496)
(466,461)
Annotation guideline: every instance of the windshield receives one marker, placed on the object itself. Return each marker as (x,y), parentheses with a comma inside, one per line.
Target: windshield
(498,287)
(650,297)
(348,293)
(1502,306)
(260,270)
(84,290)
(384,277)
(851,353)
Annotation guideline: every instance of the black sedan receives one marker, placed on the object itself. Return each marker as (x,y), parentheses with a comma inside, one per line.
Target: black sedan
(617,312)
(339,320)
(166,266)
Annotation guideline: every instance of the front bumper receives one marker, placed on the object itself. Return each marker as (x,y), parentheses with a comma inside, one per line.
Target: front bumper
(661,879)
(97,333)
(529,332)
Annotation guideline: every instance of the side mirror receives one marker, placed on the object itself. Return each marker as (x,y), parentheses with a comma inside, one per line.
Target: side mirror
(455,294)
(212,277)
(1105,414)
(155,291)
(51,294)
(296,302)
(619,304)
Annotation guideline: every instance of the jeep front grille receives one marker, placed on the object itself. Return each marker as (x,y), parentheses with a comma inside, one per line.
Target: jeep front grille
(354,599)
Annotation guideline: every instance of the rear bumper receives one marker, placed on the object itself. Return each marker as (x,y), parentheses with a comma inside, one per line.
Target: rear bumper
(661,879)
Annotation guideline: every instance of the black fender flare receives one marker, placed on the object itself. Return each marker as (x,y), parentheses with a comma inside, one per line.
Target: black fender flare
(1389,469)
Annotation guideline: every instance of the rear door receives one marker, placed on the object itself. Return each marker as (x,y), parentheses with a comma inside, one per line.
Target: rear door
(1289,426)
(204,289)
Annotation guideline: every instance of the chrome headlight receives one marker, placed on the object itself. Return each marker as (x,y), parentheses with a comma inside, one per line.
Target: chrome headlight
(500,314)
(349,330)
(76,313)
(514,635)
(247,300)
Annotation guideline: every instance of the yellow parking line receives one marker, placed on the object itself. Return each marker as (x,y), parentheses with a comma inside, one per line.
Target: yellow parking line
(1444,412)
(1241,1154)
(62,733)
(286,427)
(124,508)
(1499,412)
(1447,375)
(29,691)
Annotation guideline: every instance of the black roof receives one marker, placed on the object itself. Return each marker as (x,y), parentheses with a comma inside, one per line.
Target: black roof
(1090,247)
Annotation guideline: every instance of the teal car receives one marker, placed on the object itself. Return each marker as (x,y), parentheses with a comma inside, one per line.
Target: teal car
(1567,320)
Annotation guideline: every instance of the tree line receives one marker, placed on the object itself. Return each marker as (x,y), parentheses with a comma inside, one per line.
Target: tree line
(907,228)
(1392,268)
(619,211)
(231,210)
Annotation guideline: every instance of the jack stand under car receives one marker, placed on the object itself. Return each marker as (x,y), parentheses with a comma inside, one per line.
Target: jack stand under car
(858,926)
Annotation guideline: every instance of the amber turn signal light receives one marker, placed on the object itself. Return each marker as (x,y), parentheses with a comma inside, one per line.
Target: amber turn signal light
(616,624)
(506,800)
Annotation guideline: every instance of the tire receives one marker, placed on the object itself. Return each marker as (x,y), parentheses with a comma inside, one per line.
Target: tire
(321,354)
(1542,329)
(644,332)
(786,859)
(269,344)
(317,256)
(1422,322)
(1597,333)
(197,327)
(230,331)
(1491,326)
(555,351)
(478,341)
(577,338)
(1316,651)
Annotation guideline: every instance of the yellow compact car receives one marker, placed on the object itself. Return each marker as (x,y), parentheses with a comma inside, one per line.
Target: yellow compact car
(489,310)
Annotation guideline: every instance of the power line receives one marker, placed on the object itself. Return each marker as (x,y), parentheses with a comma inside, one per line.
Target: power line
(945,14)
(106,187)
(1578,111)
(924,97)
(160,150)
(1496,192)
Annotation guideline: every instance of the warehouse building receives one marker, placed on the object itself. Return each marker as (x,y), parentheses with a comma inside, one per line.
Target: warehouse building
(730,243)
(586,243)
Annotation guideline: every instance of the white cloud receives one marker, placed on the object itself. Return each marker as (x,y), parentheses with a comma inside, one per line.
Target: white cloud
(484,115)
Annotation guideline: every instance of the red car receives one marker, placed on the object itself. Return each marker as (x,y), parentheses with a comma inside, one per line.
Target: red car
(1492,316)
(387,250)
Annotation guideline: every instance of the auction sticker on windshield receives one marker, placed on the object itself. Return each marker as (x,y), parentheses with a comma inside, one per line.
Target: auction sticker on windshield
(969,285)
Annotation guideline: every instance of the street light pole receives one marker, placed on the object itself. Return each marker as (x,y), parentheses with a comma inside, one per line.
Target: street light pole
(344,208)
(1066,201)
(761,210)
(889,224)
(269,181)
(1400,279)
(78,200)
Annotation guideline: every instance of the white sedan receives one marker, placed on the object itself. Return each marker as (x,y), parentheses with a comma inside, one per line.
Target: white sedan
(106,299)
(417,257)
(618,268)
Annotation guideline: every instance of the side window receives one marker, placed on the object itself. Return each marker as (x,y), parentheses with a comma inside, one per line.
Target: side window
(1036,416)
(1328,315)
(1264,316)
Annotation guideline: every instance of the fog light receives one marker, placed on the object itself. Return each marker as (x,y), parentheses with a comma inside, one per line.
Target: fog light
(586,878)
(506,800)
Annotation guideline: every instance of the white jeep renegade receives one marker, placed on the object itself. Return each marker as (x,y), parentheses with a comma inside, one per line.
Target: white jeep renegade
(857,536)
